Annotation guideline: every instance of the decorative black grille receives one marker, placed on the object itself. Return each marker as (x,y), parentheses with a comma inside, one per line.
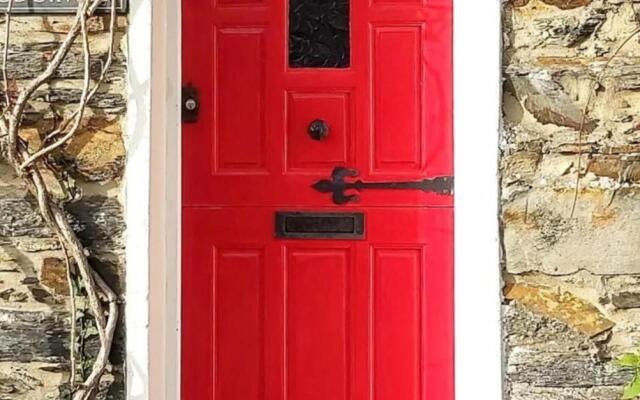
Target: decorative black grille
(319,33)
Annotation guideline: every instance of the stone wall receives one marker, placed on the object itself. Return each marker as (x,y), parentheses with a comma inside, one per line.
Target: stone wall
(34,296)
(572,282)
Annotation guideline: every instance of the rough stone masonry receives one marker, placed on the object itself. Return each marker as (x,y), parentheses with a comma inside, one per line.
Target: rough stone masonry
(572,283)
(34,295)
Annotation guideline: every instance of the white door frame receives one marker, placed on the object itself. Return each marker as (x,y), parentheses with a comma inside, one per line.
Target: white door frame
(477,93)
(154,370)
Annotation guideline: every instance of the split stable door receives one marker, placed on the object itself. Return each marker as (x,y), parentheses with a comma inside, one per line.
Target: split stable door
(317,200)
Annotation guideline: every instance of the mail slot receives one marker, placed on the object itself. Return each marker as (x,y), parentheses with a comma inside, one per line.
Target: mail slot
(316,225)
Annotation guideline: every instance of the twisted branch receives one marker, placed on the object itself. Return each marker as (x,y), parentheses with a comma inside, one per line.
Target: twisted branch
(101,298)
(5,59)
(7,34)
(585,114)
(76,116)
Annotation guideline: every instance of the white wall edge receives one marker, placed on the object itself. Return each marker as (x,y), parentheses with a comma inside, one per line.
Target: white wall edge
(137,136)
(477,81)
(477,91)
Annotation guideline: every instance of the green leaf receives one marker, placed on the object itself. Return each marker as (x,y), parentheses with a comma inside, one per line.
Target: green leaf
(629,360)
(633,390)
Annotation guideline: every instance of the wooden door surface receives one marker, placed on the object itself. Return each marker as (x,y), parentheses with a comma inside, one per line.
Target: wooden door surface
(317,200)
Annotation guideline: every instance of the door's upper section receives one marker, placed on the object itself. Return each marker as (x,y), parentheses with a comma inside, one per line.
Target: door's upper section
(376,73)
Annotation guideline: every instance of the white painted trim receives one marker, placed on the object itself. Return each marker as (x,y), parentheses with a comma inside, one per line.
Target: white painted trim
(166,167)
(477,55)
(477,83)
(137,138)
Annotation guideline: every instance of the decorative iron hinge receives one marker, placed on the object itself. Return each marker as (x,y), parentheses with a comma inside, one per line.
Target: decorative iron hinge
(338,185)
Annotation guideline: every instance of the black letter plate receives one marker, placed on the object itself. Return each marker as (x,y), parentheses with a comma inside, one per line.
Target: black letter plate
(316,225)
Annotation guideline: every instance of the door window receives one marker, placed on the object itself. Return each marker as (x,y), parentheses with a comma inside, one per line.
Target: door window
(319,34)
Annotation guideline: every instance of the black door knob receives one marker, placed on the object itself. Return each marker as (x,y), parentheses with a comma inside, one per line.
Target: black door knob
(318,129)
(190,104)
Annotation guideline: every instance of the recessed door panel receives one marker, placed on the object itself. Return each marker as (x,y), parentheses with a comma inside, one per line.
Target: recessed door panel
(317,326)
(398,130)
(240,137)
(309,153)
(397,322)
(239,323)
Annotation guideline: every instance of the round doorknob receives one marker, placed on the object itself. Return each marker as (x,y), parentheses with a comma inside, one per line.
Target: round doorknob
(191,104)
(318,129)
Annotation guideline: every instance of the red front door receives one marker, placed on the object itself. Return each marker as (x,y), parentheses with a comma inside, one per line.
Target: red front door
(293,288)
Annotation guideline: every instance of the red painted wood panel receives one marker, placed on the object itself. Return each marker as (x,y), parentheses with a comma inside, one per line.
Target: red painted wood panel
(342,319)
(317,330)
(271,319)
(239,324)
(336,149)
(398,136)
(390,111)
(397,327)
(197,350)
(239,138)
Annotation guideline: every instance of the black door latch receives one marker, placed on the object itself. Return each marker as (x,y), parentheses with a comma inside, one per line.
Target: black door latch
(190,104)
(338,185)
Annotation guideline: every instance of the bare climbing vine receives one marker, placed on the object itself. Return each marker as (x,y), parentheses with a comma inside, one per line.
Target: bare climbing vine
(629,360)
(33,164)
(587,109)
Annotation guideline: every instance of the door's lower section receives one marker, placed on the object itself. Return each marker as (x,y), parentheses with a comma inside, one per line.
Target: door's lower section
(267,319)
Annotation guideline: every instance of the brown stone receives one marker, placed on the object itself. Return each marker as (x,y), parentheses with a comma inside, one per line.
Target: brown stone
(549,103)
(30,280)
(603,217)
(626,300)
(567,4)
(98,154)
(521,165)
(32,137)
(632,173)
(553,243)
(520,3)
(18,297)
(5,294)
(562,4)
(13,296)
(34,245)
(525,391)
(574,148)
(561,306)
(5,257)
(54,185)
(54,275)
(34,143)
(606,166)
(624,149)
(612,167)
